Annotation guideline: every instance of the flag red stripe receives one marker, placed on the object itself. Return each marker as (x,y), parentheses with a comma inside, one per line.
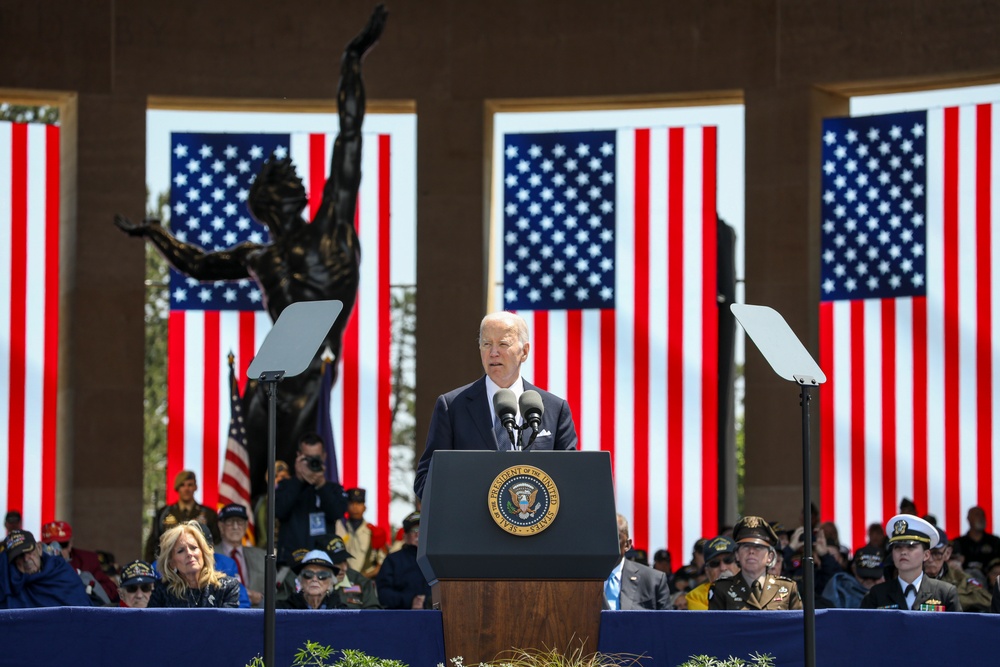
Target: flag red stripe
(710,340)
(540,348)
(18,313)
(317,171)
(208,485)
(248,346)
(350,383)
(50,385)
(888,419)
(175,400)
(385,330)
(984,315)
(827,456)
(574,364)
(951,322)
(608,337)
(675,337)
(857,412)
(640,470)
(920,403)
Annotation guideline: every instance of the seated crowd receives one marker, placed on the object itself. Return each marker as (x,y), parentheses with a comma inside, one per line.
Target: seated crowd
(329,557)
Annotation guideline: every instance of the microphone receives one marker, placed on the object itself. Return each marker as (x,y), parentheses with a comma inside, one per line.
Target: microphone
(532,409)
(505,407)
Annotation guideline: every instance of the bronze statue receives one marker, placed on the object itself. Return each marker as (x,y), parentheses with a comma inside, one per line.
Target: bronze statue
(303,262)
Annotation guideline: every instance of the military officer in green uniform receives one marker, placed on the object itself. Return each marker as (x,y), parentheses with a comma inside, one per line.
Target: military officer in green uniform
(910,542)
(971,594)
(753,588)
(185,509)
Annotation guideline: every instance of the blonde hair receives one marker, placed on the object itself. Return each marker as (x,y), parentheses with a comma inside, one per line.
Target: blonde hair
(207,576)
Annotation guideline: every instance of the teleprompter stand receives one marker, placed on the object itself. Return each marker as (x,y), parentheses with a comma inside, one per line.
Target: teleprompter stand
(790,360)
(498,590)
(287,351)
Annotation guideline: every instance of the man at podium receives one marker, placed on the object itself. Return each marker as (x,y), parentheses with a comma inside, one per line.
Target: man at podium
(464,418)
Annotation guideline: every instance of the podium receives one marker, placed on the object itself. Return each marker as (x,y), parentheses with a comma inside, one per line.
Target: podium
(516,547)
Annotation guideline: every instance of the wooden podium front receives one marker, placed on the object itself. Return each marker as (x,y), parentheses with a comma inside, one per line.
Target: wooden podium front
(503,584)
(484,618)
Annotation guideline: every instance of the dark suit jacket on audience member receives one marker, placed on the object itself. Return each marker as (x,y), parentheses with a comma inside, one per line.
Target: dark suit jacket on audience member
(400,580)
(888,594)
(462,419)
(643,588)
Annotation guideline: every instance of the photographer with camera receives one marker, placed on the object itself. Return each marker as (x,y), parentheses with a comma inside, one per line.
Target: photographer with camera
(307,506)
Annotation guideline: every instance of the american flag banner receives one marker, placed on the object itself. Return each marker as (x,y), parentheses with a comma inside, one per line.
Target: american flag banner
(211,176)
(235,484)
(906,317)
(608,250)
(29,319)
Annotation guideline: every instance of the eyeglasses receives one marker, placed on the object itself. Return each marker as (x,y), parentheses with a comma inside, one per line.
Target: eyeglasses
(135,588)
(937,555)
(728,560)
(322,575)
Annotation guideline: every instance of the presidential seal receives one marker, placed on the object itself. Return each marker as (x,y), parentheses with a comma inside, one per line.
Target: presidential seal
(523,500)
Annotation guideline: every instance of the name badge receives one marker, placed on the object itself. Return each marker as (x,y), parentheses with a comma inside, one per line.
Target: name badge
(317,524)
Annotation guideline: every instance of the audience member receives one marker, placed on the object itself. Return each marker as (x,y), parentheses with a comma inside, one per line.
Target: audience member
(846,590)
(876,537)
(664,563)
(11,521)
(910,540)
(30,577)
(400,582)
(638,556)
(136,585)
(316,581)
(754,588)
(971,593)
(260,509)
(720,563)
(249,561)
(355,590)
(307,505)
(366,543)
(631,585)
(86,563)
(977,546)
(188,577)
(825,562)
(907,506)
(185,509)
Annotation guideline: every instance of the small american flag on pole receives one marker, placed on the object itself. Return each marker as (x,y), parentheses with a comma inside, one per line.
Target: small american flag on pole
(235,484)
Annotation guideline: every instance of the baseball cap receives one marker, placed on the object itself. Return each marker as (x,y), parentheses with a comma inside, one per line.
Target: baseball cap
(233,511)
(137,572)
(18,542)
(56,531)
(868,563)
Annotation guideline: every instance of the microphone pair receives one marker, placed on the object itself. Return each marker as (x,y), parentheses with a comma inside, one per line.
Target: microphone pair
(505,405)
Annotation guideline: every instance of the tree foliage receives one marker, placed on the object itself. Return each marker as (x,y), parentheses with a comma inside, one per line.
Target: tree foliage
(23,113)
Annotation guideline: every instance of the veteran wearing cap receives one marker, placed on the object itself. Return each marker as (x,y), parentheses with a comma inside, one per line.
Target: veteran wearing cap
(98,583)
(136,585)
(846,590)
(972,595)
(249,561)
(754,587)
(34,578)
(400,582)
(720,563)
(355,590)
(316,579)
(185,509)
(910,542)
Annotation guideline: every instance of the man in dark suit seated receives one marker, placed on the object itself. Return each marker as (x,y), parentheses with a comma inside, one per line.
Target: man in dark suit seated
(633,585)
(464,418)
(910,542)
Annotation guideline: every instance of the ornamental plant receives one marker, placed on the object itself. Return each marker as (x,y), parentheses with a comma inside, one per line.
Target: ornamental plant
(314,654)
(756,660)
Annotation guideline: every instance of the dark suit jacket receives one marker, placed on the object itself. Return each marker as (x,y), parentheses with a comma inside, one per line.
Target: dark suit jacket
(888,594)
(643,588)
(463,419)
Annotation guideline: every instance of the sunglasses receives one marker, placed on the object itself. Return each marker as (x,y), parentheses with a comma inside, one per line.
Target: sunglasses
(135,588)
(728,560)
(310,574)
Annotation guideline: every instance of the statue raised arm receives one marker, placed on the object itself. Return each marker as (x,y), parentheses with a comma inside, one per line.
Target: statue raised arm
(301,262)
